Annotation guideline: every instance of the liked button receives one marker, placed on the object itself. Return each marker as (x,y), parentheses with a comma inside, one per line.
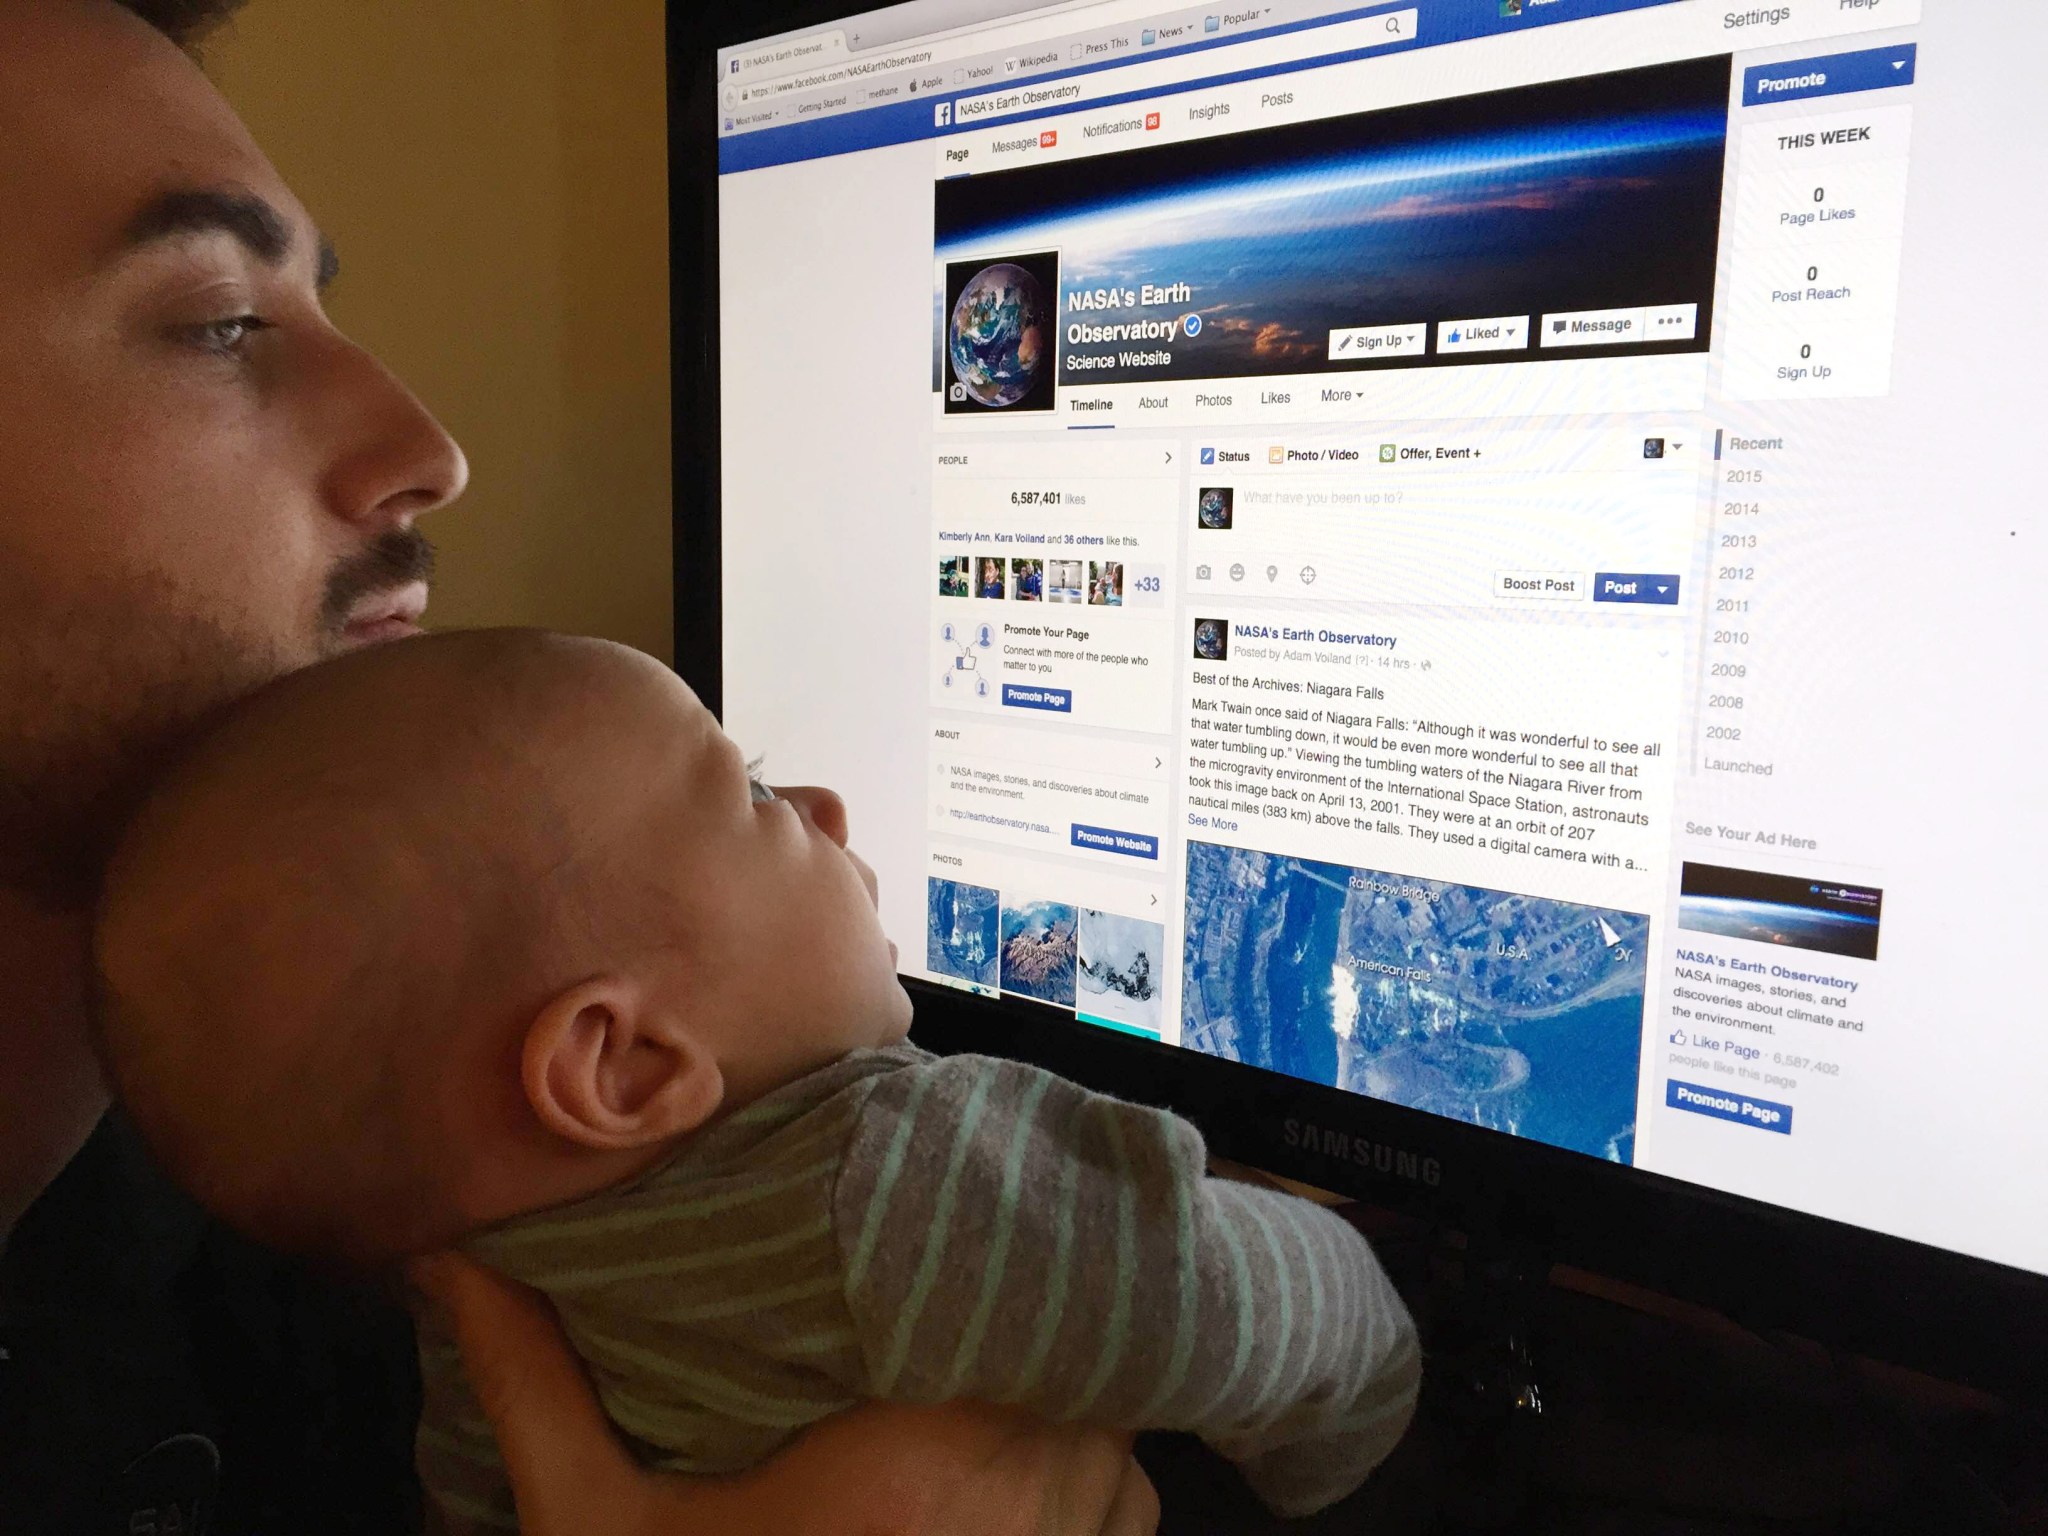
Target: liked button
(1502,333)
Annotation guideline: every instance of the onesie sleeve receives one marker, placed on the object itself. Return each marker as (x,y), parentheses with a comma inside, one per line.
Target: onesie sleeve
(1010,1237)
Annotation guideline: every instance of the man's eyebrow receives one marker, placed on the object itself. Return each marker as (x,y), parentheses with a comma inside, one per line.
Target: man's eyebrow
(244,217)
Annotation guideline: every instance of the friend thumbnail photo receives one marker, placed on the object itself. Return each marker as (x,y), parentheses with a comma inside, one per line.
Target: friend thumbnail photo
(1028,579)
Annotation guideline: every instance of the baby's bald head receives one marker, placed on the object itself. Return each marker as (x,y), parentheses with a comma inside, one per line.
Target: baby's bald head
(449,930)
(367,867)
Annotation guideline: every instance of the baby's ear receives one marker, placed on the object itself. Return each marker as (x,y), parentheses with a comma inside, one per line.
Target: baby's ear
(610,1070)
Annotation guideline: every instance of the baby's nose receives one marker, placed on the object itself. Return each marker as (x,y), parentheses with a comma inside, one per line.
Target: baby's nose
(827,812)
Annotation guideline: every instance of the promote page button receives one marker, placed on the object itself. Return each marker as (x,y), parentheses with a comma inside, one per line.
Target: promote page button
(1020,696)
(1634,587)
(1728,1104)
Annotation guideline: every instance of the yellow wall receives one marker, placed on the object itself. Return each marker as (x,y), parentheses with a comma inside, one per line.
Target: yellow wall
(494,174)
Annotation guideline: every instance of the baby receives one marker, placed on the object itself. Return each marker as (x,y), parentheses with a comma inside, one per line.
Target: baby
(491,940)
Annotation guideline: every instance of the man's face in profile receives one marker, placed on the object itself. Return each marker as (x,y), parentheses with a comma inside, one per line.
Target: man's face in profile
(202,482)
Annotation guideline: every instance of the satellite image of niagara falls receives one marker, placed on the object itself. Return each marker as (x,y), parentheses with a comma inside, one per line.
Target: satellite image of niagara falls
(1511,1012)
(1237,255)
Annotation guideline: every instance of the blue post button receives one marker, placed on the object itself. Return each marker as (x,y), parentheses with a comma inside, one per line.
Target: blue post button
(1019,696)
(1727,1104)
(1634,587)
(1136,845)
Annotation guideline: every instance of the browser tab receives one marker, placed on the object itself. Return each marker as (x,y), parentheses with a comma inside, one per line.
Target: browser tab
(782,57)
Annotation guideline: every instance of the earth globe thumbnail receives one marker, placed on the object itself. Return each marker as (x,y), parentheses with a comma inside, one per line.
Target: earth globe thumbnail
(996,339)
(1214,511)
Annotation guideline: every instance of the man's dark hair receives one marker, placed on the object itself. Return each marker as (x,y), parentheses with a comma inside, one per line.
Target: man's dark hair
(184,22)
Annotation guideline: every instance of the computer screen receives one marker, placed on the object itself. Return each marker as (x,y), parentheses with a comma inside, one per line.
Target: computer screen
(1484,554)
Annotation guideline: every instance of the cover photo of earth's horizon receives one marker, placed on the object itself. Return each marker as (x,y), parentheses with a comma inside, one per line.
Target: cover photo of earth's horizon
(1596,193)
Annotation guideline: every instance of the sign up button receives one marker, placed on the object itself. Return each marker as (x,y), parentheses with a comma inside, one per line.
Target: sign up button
(1634,587)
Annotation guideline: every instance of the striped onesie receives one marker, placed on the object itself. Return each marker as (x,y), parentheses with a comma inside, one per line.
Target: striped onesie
(903,1226)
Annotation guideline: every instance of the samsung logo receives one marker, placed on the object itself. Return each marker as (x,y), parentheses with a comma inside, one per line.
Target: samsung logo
(1377,1157)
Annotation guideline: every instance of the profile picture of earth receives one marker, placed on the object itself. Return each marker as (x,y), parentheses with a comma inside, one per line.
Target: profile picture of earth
(1213,509)
(999,339)
(1212,640)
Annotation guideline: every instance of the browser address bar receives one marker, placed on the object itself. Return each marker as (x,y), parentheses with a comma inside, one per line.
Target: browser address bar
(1382,31)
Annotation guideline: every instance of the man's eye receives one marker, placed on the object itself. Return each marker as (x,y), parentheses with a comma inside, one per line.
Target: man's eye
(227,336)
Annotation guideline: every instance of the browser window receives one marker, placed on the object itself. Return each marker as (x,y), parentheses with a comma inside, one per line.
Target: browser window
(1450,550)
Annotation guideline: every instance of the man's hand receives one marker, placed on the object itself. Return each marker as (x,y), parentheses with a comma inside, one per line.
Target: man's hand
(883,1469)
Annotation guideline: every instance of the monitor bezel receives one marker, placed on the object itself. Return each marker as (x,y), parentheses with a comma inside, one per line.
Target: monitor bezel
(1766,1266)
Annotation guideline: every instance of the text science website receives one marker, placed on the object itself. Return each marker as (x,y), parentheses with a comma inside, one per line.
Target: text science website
(1480,552)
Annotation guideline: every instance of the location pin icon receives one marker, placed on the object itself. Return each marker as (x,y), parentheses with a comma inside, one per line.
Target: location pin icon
(1272,573)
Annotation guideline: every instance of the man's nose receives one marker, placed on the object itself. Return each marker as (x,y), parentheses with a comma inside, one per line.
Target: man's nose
(392,461)
(822,808)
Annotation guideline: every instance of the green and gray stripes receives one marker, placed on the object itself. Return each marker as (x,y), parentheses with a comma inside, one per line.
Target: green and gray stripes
(899,1226)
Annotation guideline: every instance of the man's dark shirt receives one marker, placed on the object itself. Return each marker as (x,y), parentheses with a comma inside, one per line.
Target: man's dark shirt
(161,1377)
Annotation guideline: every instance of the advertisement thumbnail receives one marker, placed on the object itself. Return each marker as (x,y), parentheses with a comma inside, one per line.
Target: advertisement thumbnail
(1513,1012)
(1272,251)
(1827,917)
(998,338)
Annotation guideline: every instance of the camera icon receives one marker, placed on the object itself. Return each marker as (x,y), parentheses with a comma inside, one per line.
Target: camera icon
(958,392)
(1203,573)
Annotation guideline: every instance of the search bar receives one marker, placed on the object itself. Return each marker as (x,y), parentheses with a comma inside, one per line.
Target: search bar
(1382,31)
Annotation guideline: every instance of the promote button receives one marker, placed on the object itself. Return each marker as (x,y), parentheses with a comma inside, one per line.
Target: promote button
(1136,845)
(1019,696)
(1633,587)
(1834,74)
(1727,1104)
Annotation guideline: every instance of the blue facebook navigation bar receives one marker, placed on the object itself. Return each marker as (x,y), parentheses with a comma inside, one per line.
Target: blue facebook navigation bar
(922,117)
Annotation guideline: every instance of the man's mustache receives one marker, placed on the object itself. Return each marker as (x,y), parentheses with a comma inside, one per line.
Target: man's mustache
(398,559)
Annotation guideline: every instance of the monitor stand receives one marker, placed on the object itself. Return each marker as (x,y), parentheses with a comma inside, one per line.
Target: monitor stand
(1555,1400)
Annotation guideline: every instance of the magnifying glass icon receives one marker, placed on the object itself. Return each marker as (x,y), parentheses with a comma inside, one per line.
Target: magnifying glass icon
(1394,25)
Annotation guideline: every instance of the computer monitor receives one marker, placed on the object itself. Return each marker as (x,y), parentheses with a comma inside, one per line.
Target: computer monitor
(1450,588)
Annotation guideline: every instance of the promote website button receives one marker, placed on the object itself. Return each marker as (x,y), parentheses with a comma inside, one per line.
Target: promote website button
(1022,696)
(1592,328)
(1632,587)
(1136,845)
(1351,343)
(1728,1104)
(1503,333)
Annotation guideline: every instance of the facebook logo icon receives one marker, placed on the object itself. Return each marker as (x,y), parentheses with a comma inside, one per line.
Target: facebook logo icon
(1208,455)
(942,114)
